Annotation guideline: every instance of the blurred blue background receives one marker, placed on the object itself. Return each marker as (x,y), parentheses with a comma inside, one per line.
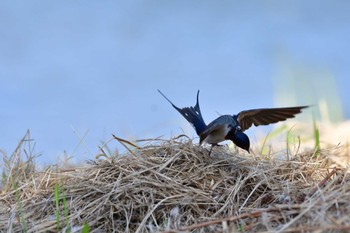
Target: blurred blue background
(74,72)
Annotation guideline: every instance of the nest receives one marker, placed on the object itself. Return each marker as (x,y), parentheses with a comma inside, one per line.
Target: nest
(175,186)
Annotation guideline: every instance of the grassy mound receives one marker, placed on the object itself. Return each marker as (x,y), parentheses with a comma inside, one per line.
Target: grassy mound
(175,186)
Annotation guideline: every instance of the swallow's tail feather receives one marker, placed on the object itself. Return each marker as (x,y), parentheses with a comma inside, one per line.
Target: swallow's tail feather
(192,114)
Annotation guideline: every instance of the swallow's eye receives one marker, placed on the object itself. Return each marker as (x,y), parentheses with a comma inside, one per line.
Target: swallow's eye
(239,128)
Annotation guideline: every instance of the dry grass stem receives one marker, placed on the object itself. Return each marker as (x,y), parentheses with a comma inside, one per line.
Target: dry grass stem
(174,186)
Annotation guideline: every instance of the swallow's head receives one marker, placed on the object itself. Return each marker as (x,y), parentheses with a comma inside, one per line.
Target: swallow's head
(239,138)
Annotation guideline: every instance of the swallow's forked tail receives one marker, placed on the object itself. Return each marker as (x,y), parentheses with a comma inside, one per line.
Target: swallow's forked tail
(192,114)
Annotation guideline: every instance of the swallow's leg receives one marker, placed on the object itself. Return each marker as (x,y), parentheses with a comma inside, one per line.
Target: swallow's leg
(212,146)
(211,149)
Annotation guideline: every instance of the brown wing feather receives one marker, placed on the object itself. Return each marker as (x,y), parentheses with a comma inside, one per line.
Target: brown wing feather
(265,116)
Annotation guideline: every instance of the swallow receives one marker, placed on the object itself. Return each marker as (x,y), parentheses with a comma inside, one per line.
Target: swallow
(232,127)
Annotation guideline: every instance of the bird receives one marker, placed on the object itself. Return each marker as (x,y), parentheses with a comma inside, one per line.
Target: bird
(232,127)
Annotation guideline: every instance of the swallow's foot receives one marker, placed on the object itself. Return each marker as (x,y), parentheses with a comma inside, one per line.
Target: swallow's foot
(212,146)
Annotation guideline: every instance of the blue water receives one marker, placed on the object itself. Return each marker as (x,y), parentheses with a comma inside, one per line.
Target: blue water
(75,68)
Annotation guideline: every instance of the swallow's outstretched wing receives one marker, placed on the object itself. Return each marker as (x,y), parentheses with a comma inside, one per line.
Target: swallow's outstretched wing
(265,116)
(192,114)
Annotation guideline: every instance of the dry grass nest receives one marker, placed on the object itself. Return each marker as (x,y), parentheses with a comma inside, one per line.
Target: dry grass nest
(175,186)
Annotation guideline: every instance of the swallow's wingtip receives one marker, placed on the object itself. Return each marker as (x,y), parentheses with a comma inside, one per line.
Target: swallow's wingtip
(301,108)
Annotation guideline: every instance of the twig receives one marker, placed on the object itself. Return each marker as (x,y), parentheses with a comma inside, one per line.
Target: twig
(254,214)
(122,141)
(125,141)
(323,182)
(318,228)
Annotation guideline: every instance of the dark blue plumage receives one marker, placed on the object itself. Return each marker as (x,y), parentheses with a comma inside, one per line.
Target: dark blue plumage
(228,127)
(192,114)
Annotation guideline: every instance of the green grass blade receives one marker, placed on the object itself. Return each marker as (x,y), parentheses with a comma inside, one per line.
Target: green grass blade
(316,138)
(274,133)
(57,198)
(86,228)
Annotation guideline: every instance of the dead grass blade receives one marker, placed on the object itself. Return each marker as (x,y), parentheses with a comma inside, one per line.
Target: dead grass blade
(175,186)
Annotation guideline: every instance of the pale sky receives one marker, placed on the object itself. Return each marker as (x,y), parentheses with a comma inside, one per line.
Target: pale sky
(70,68)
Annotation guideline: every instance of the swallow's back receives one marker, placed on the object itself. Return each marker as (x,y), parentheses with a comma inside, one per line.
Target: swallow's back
(217,130)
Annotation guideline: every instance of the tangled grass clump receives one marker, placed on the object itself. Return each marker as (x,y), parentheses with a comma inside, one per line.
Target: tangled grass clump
(175,186)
